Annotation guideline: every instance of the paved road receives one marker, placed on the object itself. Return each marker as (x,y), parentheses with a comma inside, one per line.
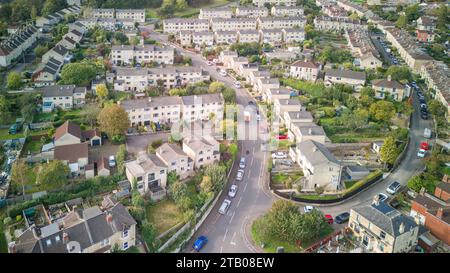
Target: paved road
(230,233)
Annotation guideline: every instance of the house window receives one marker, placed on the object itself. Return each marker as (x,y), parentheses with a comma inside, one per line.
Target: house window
(161,171)
(151,176)
(383,235)
(139,178)
(125,233)
(125,245)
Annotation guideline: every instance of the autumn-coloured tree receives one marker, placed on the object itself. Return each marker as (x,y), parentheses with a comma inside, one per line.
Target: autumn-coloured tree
(113,120)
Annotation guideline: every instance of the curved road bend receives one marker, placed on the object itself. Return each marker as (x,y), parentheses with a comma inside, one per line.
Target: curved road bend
(230,233)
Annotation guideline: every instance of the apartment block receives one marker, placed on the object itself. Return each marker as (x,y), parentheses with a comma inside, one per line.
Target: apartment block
(288,11)
(176,25)
(251,12)
(233,24)
(127,54)
(220,12)
(281,22)
(288,3)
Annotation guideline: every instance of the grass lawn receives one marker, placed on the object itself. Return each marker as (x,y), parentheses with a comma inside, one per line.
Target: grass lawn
(32,146)
(280,178)
(164,215)
(349,184)
(284,144)
(4,134)
(3,243)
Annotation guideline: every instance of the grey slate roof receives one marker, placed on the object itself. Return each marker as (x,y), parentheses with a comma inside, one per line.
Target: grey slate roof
(203,99)
(153,102)
(386,218)
(349,74)
(316,153)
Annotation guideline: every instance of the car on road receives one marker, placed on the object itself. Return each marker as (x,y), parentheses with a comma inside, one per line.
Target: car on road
(240,175)
(282,137)
(421,153)
(329,219)
(237,84)
(242,163)
(279,155)
(200,243)
(112,161)
(225,206)
(393,187)
(232,191)
(342,218)
(258,117)
(215,61)
(307,209)
(209,63)
(251,102)
(223,73)
(382,197)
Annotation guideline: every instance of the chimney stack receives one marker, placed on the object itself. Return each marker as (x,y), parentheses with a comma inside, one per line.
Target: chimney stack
(65,238)
(376,200)
(401,228)
(310,131)
(422,191)
(440,213)
(389,78)
(109,218)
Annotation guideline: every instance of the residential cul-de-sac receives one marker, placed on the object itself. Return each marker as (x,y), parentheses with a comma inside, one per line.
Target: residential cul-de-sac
(224,126)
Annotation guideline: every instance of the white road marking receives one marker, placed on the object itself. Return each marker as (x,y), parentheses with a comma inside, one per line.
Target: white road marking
(221,249)
(232,217)
(239,202)
(232,237)
(245,187)
(225,236)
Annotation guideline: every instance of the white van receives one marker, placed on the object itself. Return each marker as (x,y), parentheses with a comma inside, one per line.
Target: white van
(427,133)
(225,206)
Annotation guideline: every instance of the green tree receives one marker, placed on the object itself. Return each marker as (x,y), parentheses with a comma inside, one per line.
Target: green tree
(401,22)
(20,174)
(101,91)
(80,74)
(40,50)
(89,114)
(14,80)
(229,95)
(399,73)
(33,12)
(4,109)
(216,87)
(436,108)
(382,110)
(218,176)
(121,38)
(178,191)
(177,92)
(53,174)
(389,151)
(149,234)
(113,120)
(206,185)
(416,183)
(121,157)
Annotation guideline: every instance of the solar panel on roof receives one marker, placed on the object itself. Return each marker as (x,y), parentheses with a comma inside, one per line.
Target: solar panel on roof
(383,207)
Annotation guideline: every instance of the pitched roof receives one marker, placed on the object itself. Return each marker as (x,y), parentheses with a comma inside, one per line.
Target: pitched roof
(68,127)
(345,74)
(386,83)
(316,153)
(169,152)
(72,152)
(386,218)
(307,64)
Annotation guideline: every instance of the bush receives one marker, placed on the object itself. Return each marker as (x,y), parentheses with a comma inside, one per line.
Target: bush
(119,139)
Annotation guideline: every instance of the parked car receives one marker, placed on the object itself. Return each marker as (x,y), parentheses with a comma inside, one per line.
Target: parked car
(223,73)
(286,162)
(112,161)
(424,146)
(342,218)
(393,187)
(282,137)
(225,206)
(215,61)
(232,191)
(329,219)
(200,243)
(421,153)
(237,84)
(209,63)
(424,115)
(240,175)
(242,163)
(258,117)
(307,209)
(279,155)
(382,197)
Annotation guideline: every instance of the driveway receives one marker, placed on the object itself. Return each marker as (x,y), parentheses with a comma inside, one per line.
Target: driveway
(107,149)
(138,143)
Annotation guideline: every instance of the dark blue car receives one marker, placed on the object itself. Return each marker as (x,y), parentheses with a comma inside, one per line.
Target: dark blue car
(200,243)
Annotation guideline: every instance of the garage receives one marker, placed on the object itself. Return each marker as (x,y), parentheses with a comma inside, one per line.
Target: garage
(96,142)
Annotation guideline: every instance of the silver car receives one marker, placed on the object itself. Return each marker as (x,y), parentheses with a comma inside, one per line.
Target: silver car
(240,175)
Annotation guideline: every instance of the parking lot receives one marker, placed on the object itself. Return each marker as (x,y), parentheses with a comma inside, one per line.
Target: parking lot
(138,143)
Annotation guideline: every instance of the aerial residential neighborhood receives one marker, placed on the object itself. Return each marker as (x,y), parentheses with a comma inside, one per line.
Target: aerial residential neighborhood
(223,126)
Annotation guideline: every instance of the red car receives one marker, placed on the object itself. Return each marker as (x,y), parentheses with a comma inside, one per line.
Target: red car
(329,219)
(425,146)
(282,137)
